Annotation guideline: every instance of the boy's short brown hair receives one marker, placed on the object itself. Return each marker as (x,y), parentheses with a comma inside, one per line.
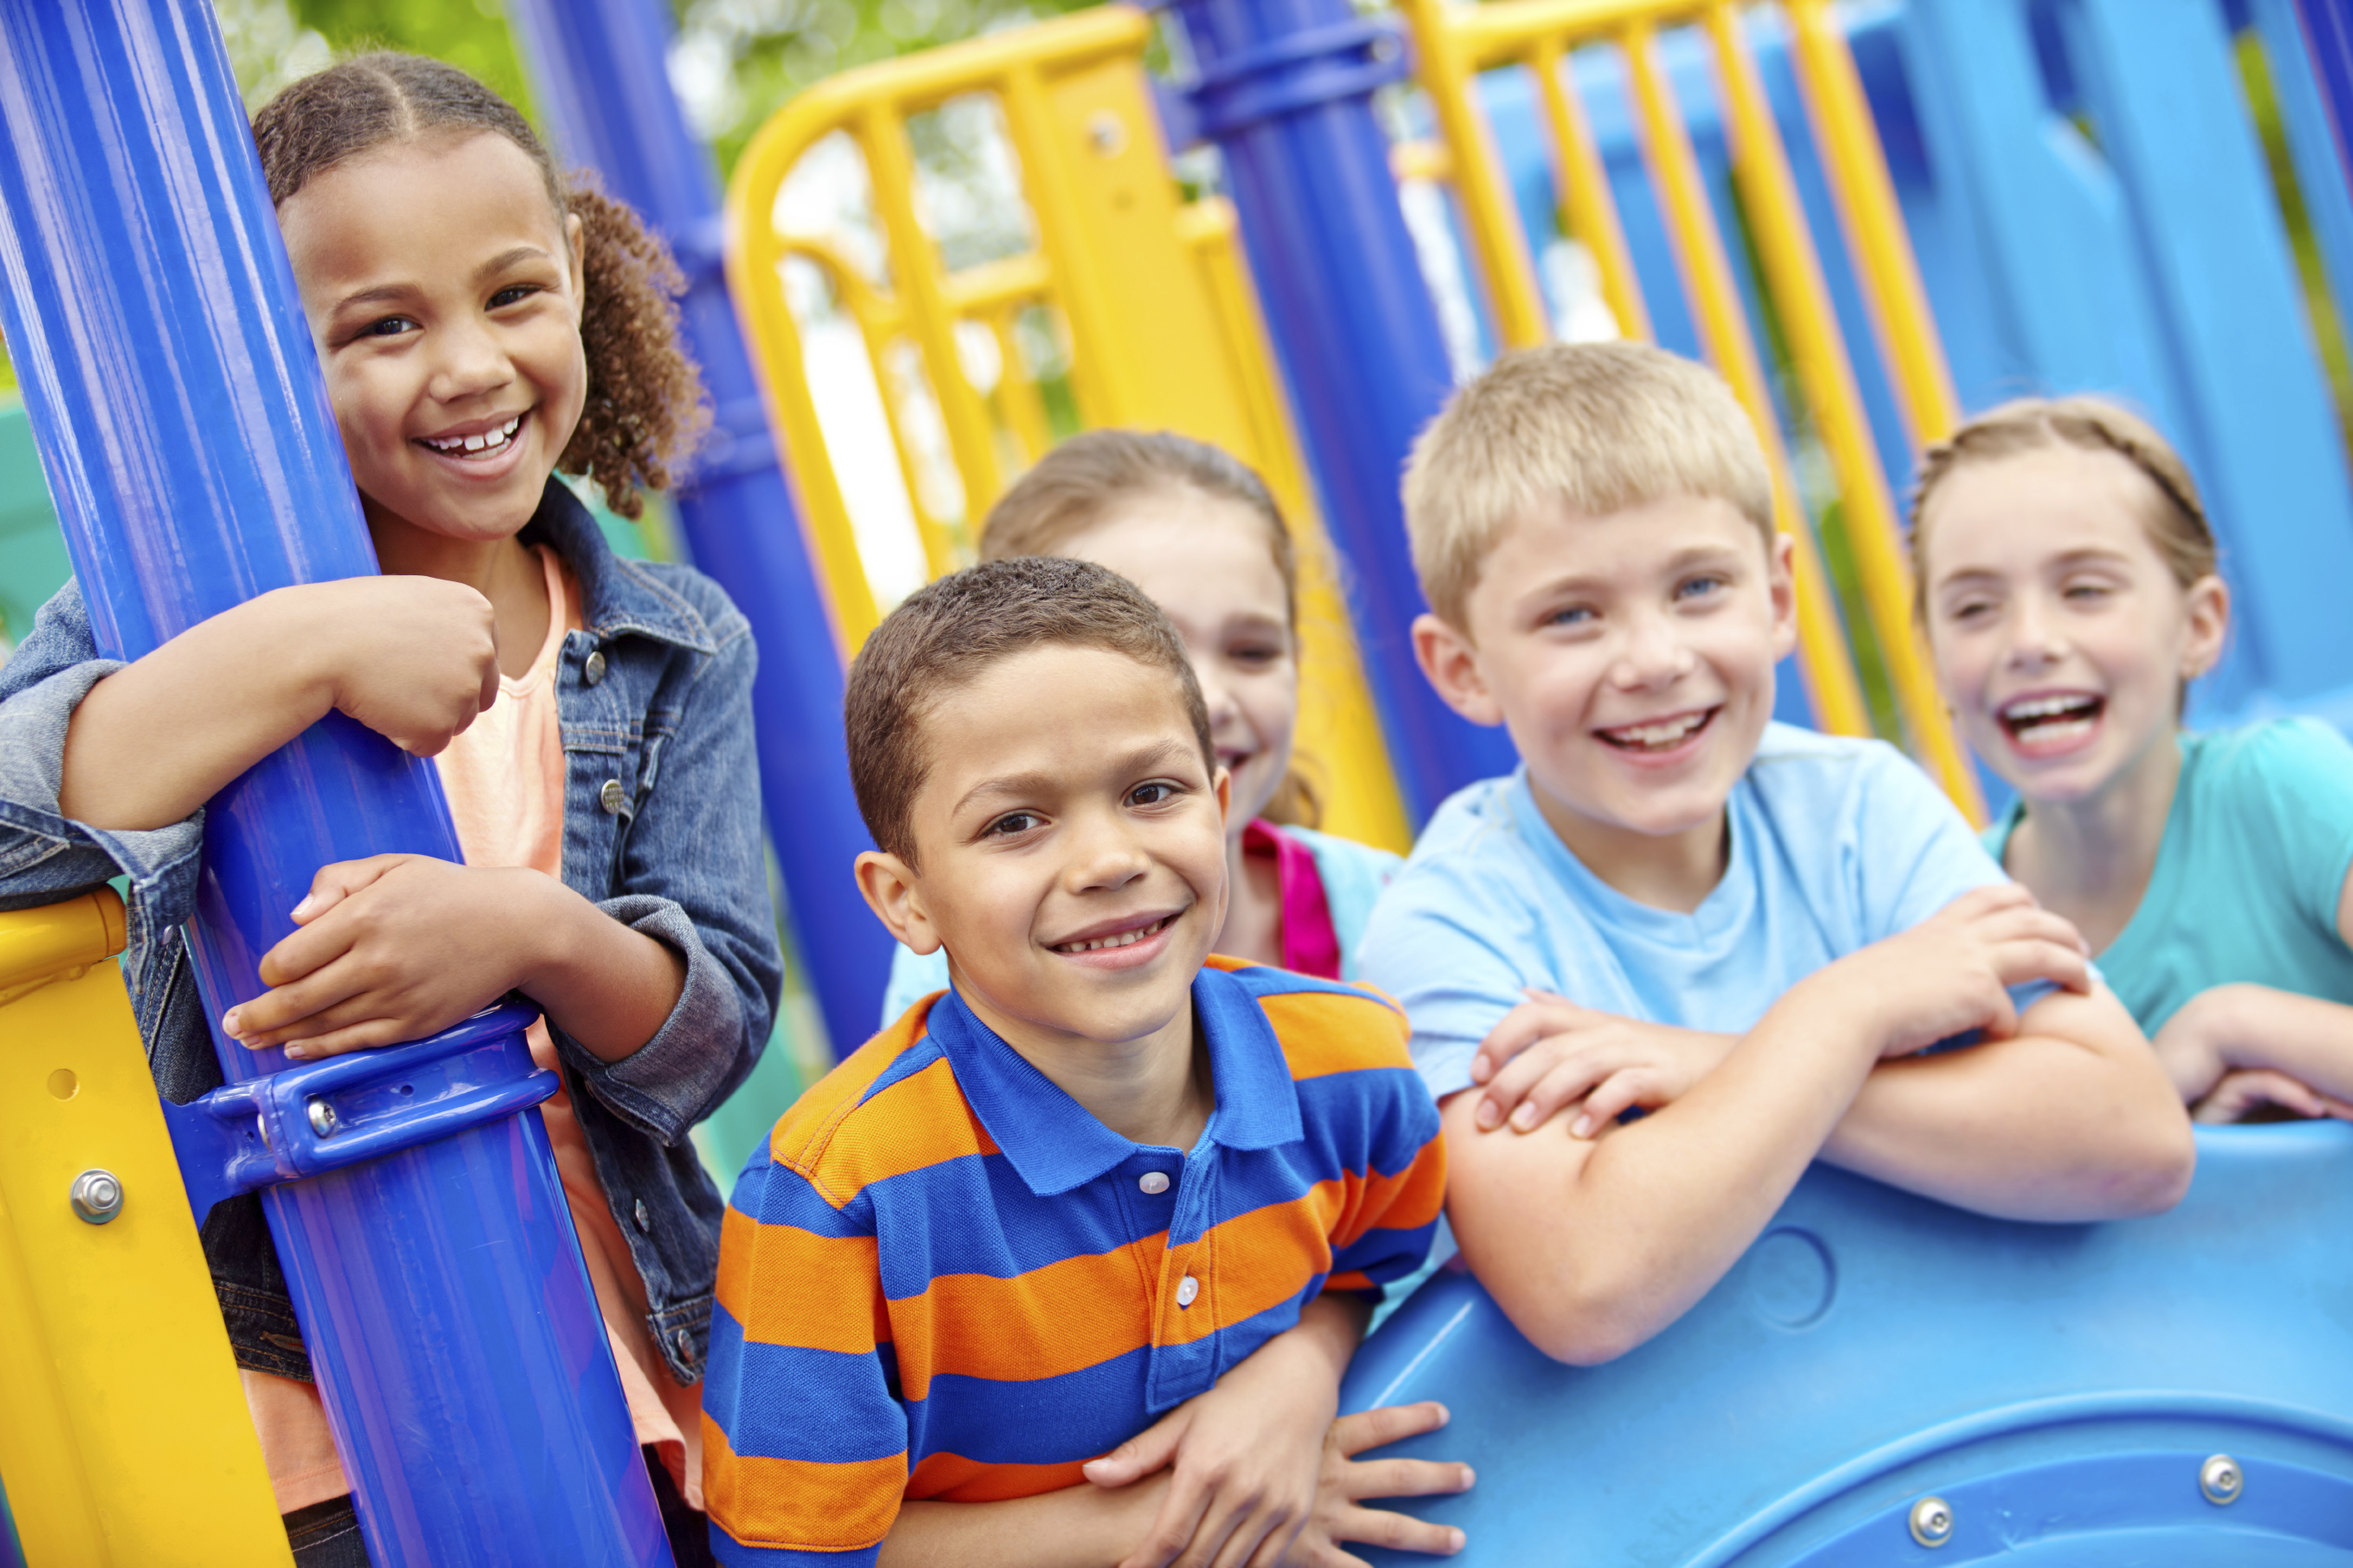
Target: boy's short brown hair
(943,637)
(1602,427)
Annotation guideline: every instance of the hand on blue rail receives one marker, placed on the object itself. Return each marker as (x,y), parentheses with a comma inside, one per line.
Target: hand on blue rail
(2233,1049)
(393,948)
(1951,973)
(2246,1093)
(1348,1482)
(1548,1054)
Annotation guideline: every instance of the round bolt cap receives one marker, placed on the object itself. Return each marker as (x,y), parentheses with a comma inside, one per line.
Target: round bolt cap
(2222,1481)
(324,1119)
(1932,1521)
(612,797)
(97,1196)
(1107,134)
(592,670)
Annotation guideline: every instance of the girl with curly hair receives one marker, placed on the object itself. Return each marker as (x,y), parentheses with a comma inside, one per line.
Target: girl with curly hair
(482,322)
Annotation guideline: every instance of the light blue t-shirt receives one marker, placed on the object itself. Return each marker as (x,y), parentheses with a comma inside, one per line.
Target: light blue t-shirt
(2248,875)
(1353,875)
(1836,844)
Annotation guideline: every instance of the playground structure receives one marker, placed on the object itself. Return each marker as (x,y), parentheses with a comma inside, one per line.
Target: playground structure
(1748,185)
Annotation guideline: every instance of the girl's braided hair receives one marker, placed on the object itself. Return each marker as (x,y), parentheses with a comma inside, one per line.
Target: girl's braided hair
(645,408)
(2178,529)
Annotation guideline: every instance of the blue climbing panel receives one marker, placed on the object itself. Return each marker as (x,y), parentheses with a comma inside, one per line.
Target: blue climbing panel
(2060,1388)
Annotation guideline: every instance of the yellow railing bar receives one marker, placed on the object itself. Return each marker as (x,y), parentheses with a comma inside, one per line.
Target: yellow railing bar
(1490,36)
(1588,211)
(1836,694)
(1875,224)
(1019,406)
(1760,167)
(1511,292)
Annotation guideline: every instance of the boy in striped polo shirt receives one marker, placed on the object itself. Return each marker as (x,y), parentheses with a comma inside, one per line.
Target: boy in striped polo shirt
(1065,1265)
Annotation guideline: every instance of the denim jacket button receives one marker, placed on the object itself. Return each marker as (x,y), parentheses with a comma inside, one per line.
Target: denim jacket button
(685,1343)
(645,1221)
(612,797)
(593,670)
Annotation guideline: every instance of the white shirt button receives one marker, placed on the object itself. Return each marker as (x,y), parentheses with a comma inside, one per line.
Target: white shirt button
(1186,1289)
(1153,1182)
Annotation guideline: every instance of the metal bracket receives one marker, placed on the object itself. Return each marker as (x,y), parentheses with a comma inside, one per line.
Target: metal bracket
(361,1106)
(1339,59)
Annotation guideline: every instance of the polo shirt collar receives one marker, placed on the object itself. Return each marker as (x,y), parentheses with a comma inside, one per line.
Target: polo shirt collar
(1056,1145)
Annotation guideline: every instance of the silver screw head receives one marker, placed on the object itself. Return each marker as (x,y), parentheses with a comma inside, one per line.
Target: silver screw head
(2222,1481)
(1932,1521)
(1107,134)
(323,1120)
(97,1196)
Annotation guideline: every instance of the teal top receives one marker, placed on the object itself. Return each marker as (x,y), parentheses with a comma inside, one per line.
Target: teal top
(2248,876)
(1352,874)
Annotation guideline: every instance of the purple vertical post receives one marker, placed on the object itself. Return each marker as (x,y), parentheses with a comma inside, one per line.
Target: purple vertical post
(186,437)
(598,68)
(1285,91)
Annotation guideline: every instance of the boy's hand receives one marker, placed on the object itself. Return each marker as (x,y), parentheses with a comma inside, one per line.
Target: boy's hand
(1247,1457)
(1951,973)
(1548,1053)
(2238,1095)
(412,659)
(1348,1482)
(391,948)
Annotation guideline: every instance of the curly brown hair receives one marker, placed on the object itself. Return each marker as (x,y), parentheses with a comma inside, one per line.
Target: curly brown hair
(645,408)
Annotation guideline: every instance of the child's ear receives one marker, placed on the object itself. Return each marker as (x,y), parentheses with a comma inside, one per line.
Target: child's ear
(1224,786)
(573,232)
(1781,583)
(2207,606)
(889,886)
(1450,661)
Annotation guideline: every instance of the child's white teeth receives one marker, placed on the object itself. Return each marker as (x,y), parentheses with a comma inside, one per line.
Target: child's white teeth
(487,441)
(2044,707)
(1125,938)
(1665,734)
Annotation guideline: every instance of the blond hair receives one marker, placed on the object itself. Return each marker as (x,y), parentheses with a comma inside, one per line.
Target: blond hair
(2178,529)
(1601,426)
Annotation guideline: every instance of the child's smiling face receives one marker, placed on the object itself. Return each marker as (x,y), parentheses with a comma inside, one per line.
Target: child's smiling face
(444,293)
(1070,837)
(2061,639)
(1205,561)
(1632,658)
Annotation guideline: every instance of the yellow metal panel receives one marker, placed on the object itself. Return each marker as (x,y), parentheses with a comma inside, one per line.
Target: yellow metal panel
(1589,210)
(1836,694)
(1793,273)
(125,1442)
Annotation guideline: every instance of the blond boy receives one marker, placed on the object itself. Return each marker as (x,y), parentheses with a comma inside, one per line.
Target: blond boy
(1753,932)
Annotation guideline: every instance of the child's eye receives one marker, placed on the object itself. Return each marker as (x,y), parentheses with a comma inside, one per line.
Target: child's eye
(1012,824)
(512,293)
(1255,655)
(2086,593)
(1159,792)
(389,327)
(1569,615)
(1700,587)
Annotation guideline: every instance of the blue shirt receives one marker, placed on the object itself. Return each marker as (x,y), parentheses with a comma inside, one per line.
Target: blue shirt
(1835,844)
(2248,875)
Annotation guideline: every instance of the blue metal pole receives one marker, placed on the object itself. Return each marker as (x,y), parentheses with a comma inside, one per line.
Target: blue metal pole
(186,435)
(2329,35)
(1285,90)
(597,68)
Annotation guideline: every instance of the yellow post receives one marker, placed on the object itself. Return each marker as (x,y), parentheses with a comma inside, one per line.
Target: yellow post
(124,1440)
(1521,320)
(1793,273)
(1875,224)
(1589,210)
(1835,692)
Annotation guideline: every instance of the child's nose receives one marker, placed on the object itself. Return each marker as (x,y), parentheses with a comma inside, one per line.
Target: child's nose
(2035,636)
(1651,655)
(1105,854)
(470,363)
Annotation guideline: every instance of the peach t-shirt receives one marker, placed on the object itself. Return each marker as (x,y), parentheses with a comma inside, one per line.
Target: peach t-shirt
(504,777)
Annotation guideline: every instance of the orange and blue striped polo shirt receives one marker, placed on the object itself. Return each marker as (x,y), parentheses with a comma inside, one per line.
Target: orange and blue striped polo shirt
(943,1279)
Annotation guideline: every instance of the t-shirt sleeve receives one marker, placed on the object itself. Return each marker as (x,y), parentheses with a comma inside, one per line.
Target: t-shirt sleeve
(1384,1231)
(1450,969)
(2304,778)
(914,976)
(804,1442)
(1915,853)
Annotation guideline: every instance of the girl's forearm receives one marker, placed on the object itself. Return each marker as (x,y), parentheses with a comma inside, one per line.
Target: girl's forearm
(2236,1027)
(1078,1527)
(155,739)
(607,987)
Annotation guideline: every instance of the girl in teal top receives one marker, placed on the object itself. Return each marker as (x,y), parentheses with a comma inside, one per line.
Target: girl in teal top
(1199,532)
(2068,589)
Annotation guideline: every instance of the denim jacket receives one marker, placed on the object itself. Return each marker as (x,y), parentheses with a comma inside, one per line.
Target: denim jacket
(655,694)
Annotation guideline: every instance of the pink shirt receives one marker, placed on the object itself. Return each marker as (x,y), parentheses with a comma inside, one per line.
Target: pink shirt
(504,778)
(1310,943)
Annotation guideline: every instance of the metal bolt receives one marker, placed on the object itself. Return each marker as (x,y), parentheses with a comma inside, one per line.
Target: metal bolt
(2222,1481)
(1932,1521)
(1385,48)
(1107,134)
(97,1196)
(612,797)
(324,1119)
